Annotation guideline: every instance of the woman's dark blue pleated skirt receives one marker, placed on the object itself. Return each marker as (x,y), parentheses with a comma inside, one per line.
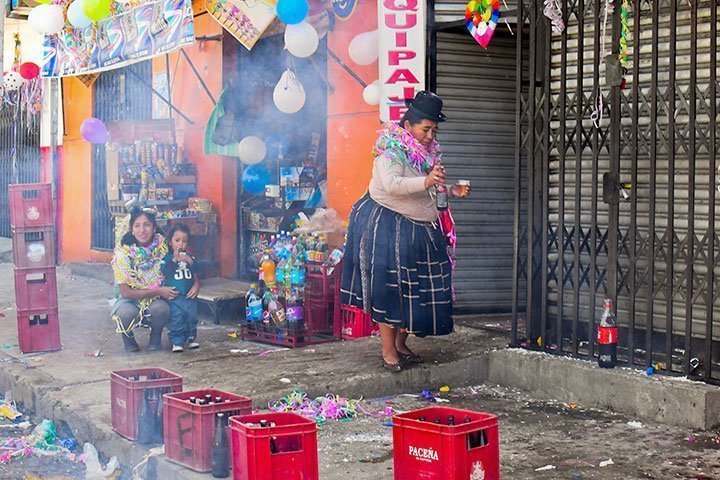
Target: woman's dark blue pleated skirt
(398,270)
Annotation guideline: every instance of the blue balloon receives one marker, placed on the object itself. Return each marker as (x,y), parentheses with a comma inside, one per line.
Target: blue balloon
(292,11)
(276,143)
(255,177)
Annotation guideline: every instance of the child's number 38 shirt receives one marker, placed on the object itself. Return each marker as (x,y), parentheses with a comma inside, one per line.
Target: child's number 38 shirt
(180,275)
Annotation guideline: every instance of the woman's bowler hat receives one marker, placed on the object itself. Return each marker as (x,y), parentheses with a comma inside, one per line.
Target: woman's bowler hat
(427,105)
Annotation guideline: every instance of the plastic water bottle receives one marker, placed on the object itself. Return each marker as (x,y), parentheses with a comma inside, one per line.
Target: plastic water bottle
(253,306)
(333,259)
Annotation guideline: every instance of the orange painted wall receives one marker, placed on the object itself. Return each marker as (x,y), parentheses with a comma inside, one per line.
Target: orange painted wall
(352,124)
(75,179)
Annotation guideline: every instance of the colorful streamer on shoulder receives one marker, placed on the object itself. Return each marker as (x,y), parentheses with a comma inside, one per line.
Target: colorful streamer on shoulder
(481,19)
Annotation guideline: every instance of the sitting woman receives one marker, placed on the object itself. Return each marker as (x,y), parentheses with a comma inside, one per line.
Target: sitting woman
(137,268)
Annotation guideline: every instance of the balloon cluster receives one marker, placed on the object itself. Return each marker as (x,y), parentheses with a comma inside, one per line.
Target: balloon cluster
(49,19)
(363,50)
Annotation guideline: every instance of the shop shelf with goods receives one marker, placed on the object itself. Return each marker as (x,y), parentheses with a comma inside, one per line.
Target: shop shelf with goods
(146,167)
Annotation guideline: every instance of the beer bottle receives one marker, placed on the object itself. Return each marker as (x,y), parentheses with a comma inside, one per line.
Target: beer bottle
(145,421)
(220,450)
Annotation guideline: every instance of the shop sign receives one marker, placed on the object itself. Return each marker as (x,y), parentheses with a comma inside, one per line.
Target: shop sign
(153,28)
(344,8)
(401,26)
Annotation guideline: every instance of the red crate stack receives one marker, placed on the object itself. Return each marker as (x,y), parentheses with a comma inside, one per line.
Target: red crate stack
(33,236)
(127,390)
(286,449)
(428,445)
(189,428)
(355,323)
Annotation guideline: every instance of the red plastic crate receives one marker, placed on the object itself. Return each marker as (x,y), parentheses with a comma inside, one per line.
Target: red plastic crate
(38,330)
(31,205)
(36,288)
(34,247)
(355,323)
(424,450)
(189,428)
(295,439)
(322,282)
(127,395)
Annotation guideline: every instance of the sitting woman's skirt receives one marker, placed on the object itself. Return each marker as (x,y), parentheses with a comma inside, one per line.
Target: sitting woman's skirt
(398,270)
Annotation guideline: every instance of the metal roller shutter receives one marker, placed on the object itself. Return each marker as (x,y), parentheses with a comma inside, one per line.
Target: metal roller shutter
(478,141)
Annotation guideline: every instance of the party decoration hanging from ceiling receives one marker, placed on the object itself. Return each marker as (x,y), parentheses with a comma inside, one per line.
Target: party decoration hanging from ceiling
(553,11)
(289,94)
(251,150)
(46,19)
(292,11)
(76,15)
(93,130)
(301,40)
(246,21)
(371,93)
(155,27)
(12,81)
(255,177)
(29,70)
(481,19)
(624,35)
(363,49)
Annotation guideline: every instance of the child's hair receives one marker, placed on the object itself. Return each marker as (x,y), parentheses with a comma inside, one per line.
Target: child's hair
(177,227)
(135,213)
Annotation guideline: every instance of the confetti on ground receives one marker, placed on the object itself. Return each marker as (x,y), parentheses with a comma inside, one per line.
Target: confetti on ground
(545,468)
(607,462)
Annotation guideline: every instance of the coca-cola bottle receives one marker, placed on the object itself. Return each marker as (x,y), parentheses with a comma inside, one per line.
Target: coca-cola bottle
(607,337)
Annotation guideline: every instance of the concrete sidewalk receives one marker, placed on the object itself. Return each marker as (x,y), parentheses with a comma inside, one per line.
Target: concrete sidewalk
(72,386)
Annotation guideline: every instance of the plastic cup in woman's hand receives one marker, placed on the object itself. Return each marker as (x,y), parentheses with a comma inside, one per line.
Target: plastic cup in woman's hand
(462,188)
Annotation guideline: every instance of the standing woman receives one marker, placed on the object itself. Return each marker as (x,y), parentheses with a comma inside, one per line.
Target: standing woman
(137,268)
(397,265)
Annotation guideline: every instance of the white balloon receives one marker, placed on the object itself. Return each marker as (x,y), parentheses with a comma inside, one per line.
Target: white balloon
(301,39)
(363,49)
(289,94)
(76,16)
(251,150)
(47,19)
(371,93)
(12,81)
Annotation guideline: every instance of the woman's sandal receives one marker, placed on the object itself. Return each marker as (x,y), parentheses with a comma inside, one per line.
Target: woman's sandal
(393,367)
(410,357)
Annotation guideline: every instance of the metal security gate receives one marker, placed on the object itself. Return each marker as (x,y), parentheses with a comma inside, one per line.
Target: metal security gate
(121,94)
(478,140)
(24,138)
(656,252)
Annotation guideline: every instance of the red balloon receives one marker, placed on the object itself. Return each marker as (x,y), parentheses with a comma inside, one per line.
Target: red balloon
(29,70)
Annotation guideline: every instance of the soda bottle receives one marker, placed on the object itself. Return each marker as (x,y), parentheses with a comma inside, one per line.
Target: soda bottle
(276,311)
(158,416)
(220,450)
(145,421)
(295,310)
(333,259)
(267,265)
(253,306)
(441,197)
(297,275)
(607,337)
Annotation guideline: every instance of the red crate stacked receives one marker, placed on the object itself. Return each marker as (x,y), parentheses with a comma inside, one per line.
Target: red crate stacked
(285,449)
(189,427)
(355,323)
(33,235)
(442,443)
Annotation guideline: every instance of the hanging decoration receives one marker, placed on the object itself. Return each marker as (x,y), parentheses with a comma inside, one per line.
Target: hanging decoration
(255,177)
(363,49)
(246,21)
(289,94)
(599,106)
(292,11)
(47,19)
(93,130)
(129,34)
(251,150)
(22,88)
(371,93)
(12,81)
(481,18)
(553,11)
(301,40)
(624,35)
(29,70)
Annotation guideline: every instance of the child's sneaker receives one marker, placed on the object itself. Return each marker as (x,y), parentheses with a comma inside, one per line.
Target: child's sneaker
(177,348)
(192,344)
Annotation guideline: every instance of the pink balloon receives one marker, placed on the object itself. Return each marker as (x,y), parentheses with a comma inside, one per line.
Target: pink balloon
(94,130)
